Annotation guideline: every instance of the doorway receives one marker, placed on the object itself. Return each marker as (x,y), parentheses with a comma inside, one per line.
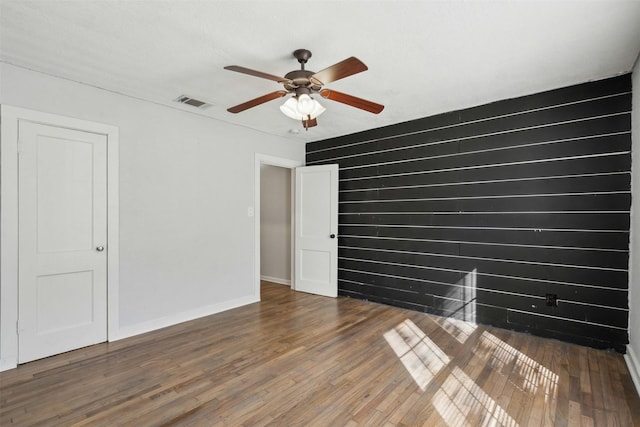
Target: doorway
(277,171)
(275,224)
(314,222)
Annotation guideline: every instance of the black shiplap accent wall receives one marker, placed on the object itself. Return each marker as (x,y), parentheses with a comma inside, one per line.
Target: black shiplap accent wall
(478,214)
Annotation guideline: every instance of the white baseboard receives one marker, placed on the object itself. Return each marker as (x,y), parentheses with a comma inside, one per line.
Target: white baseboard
(634,367)
(151,325)
(276,280)
(185,316)
(5,365)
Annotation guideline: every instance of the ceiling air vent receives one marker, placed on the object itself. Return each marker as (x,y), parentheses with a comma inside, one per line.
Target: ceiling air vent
(184,99)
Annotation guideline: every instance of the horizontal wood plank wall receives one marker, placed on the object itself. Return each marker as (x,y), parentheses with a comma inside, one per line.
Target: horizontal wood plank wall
(478,214)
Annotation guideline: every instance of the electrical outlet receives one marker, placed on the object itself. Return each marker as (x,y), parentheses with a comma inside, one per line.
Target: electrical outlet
(552,300)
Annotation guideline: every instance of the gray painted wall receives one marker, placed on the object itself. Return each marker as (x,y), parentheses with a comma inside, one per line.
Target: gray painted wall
(186,183)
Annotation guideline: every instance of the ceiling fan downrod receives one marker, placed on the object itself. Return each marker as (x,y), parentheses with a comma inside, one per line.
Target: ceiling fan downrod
(302,55)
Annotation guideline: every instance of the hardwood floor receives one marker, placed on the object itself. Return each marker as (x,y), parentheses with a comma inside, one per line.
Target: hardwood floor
(301,360)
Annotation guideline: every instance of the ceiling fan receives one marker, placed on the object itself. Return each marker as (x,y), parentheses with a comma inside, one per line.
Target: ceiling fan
(303,84)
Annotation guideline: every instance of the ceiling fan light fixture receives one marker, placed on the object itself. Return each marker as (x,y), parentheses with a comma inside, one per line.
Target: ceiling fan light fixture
(311,108)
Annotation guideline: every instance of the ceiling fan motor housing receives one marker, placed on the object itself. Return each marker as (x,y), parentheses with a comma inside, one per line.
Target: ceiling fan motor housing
(299,78)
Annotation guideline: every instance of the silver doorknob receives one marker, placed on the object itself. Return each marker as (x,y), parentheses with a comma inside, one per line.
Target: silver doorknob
(100,248)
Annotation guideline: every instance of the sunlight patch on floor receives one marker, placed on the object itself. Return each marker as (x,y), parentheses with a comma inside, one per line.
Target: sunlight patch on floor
(458,329)
(422,358)
(460,401)
(531,373)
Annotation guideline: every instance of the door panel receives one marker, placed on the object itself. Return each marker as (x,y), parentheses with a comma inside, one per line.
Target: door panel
(62,220)
(315,265)
(316,221)
(64,217)
(64,301)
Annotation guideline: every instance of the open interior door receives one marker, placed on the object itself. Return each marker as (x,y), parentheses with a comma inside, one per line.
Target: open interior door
(316,229)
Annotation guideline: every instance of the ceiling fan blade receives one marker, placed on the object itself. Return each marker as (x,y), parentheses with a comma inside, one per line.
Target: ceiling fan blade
(353,101)
(342,69)
(257,101)
(255,73)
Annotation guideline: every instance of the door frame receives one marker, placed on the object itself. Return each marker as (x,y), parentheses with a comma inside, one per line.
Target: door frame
(264,159)
(9,120)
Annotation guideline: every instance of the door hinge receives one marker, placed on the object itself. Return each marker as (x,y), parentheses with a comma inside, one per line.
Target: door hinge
(20,147)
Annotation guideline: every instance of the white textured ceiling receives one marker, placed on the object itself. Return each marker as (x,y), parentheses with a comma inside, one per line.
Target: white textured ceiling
(424,57)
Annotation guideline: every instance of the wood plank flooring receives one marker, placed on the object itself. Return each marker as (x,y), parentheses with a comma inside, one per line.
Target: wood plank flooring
(302,360)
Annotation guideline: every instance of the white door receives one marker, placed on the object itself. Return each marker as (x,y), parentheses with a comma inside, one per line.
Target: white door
(62,268)
(316,230)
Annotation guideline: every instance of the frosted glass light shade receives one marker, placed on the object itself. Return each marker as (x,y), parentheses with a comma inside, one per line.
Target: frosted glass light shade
(289,108)
(292,108)
(305,104)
